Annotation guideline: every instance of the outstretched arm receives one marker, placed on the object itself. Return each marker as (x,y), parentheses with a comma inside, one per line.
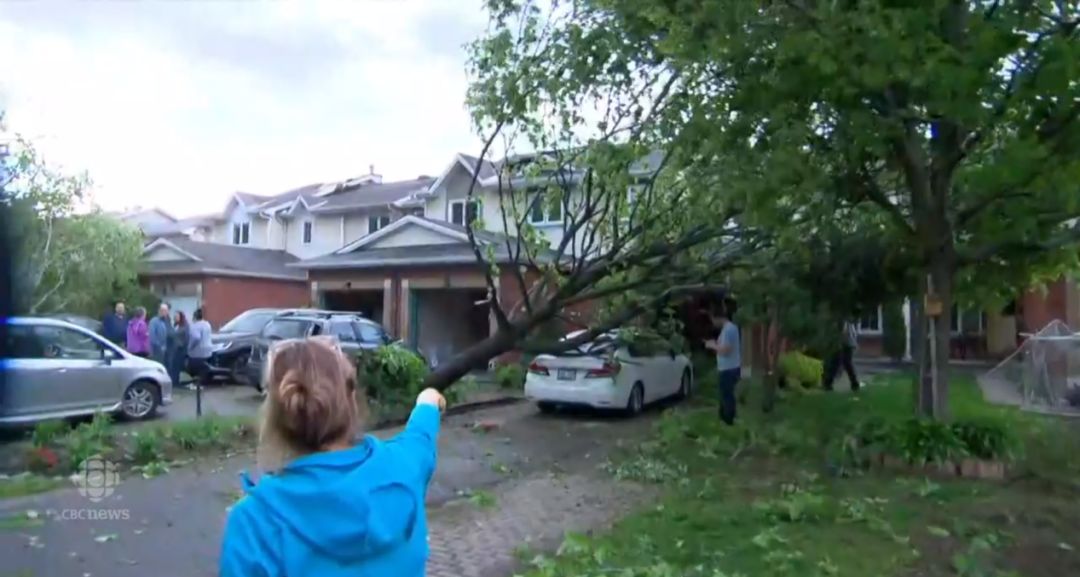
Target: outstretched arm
(422,431)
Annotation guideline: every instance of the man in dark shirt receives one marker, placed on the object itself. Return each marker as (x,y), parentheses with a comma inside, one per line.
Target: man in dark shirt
(114,325)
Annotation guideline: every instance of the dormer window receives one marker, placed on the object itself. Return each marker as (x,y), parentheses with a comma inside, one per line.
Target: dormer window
(376,223)
(306,230)
(463,212)
(241,233)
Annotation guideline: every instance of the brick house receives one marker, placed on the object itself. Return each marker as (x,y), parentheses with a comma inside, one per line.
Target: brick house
(224,280)
(992,334)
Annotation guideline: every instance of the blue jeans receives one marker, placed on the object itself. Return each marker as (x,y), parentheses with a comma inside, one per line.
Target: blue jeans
(177,360)
(728,380)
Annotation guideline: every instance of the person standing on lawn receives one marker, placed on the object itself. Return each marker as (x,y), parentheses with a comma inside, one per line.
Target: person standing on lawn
(114,325)
(200,348)
(728,349)
(335,506)
(138,334)
(849,342)
(161,333)
(178,348)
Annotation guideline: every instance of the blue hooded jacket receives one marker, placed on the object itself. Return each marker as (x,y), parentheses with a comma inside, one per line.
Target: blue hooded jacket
(356,512)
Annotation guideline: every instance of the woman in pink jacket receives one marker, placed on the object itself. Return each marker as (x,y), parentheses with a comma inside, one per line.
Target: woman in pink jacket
(138,334)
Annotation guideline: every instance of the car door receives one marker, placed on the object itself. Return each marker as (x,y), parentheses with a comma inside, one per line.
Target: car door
(31,377)
(82,378)
(343,331)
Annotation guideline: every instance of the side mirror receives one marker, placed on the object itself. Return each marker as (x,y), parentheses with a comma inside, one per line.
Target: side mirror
(109,355)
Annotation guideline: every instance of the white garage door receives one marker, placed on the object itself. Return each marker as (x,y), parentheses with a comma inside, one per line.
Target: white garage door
(186,304)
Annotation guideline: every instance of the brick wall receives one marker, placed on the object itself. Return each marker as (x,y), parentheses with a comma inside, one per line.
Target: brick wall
(225,297)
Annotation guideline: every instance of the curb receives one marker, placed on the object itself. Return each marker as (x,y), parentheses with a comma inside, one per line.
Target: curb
(451,411)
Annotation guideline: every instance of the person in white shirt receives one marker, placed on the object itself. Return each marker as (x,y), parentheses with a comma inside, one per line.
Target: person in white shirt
(845,357)
(200,347)
(728,348)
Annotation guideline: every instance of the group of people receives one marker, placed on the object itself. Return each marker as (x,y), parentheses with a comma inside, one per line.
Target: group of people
(170,340)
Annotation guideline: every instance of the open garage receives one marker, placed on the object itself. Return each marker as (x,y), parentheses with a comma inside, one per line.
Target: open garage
(447,321)
(368,302)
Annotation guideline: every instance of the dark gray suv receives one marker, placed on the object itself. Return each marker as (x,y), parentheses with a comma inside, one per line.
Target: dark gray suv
(354,333)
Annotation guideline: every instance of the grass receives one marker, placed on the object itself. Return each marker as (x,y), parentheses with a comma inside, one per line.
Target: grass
(764,498)
(27,484)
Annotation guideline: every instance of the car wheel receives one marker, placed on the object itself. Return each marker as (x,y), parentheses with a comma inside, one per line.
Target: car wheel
(140,401)
(239,370)
(545,407)
(687,385)
(636,402)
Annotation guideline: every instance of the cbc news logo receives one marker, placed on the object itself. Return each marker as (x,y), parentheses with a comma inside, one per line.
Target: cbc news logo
(96,479)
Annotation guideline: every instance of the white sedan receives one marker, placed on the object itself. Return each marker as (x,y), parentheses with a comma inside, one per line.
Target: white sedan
(608,374)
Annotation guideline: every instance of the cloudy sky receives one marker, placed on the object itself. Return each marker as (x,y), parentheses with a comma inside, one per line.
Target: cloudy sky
(177,103)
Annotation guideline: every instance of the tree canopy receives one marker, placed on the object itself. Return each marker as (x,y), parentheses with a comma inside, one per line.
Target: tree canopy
(948,128)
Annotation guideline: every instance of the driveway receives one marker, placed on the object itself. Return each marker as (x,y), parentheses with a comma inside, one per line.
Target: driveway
(172,525)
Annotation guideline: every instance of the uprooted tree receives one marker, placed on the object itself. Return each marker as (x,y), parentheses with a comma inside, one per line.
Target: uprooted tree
(952,123)
(628,232)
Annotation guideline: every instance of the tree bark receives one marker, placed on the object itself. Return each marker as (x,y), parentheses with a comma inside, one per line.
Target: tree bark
(933,360)
(471,358)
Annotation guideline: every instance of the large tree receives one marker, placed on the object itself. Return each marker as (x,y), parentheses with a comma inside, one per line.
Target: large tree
(69,257)
(954,123)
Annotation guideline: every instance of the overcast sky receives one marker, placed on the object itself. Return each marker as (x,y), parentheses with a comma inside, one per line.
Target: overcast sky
(178,103)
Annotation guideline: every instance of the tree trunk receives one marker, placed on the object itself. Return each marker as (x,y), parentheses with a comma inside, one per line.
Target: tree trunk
(471,358)
(933,361)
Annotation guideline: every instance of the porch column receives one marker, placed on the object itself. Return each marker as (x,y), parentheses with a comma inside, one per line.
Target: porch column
(907,329)
(315,294)
(404,314)
(388,307)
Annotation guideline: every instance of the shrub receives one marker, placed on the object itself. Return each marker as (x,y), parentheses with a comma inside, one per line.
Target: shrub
(391,374)
(197,434)
(41,459)
(922,441)
(47,432)
(984,439)
(89,439)
(510,376)
(799,368)
(147,447)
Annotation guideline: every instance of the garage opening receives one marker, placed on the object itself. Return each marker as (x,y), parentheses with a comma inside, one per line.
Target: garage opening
(447,321)
(367,302)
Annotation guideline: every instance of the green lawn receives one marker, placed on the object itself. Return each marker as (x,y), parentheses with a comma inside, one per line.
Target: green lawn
(770,497)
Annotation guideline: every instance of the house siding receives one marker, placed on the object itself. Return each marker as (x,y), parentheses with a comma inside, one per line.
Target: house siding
(325,234)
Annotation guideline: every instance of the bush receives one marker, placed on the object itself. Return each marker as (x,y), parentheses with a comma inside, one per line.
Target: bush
(89,440)
(797,367)
(391,374)
(922,441)
(47,432)
(510,376)
(198,434)
(147,447)
(984,439)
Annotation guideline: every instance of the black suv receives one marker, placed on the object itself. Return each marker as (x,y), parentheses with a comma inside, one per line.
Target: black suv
(233,342)
(354,333)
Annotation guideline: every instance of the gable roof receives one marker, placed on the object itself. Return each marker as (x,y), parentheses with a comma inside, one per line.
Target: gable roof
(221,259)
(371,194)
(363,254)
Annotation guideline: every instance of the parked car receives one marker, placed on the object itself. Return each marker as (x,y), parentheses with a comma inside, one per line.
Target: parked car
(354,333)
(233,342)
(56,369)
(87,323)
(608,373)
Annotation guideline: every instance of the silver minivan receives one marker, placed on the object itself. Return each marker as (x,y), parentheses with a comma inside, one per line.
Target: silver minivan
(54,369)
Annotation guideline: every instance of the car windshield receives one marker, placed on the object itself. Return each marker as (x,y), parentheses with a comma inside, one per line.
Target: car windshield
(282,329)
(602,344)
(249,322)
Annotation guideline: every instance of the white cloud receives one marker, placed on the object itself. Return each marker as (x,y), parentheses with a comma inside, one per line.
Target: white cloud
(178,104)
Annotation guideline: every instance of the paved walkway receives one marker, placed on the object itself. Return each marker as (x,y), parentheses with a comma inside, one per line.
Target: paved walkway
(171,526)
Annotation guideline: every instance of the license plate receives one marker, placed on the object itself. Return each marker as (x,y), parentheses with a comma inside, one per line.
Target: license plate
(566,374)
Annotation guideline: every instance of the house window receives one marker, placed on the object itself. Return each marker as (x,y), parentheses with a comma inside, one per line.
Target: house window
(871,324)
(542,211)
(241,233)
(967,321)
(306,231)
(464,212)
(375,223)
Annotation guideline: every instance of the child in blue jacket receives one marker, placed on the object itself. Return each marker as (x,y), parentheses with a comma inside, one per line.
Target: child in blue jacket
(337,508)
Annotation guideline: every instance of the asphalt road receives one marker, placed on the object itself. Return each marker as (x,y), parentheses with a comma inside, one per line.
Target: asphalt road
(171,525)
